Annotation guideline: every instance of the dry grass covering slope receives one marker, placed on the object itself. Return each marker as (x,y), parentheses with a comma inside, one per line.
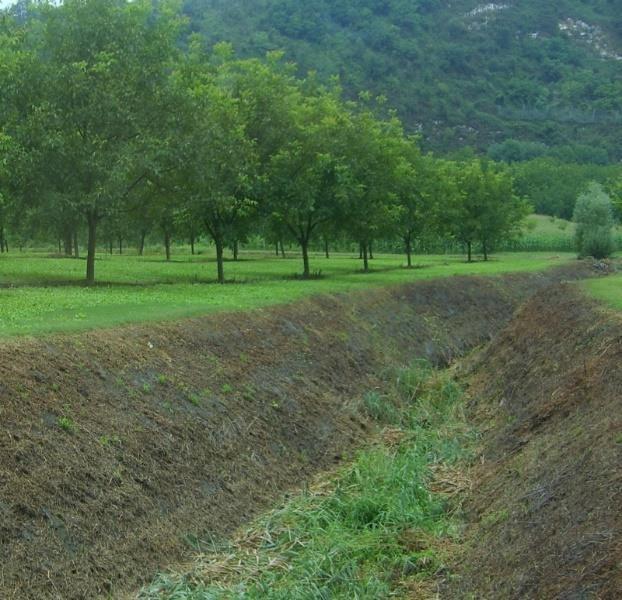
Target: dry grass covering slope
(545,518)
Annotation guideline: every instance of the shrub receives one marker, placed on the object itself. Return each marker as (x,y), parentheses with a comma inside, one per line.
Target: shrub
(598,243)
(593,215)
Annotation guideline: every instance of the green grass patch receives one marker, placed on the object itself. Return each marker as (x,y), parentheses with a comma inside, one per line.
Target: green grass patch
(40,294)
(606,289)
(371,530)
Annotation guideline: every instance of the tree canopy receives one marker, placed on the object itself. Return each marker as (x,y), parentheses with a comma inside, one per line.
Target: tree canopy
(110,127)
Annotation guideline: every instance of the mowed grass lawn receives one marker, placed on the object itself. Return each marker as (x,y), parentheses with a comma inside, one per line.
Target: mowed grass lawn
(42,294)
(606,289)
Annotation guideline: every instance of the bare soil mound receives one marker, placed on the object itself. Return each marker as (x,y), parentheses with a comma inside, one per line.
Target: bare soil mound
(120,449)
(546,506)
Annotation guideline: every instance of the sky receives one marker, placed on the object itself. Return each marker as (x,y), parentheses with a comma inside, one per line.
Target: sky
(5,3)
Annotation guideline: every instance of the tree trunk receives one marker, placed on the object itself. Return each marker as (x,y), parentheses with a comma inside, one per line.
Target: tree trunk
(76,247)
(306,272)
(326,249)
(67,242)
(469,252)
(409,251)
(371,251)
(1,239)
(236,249)
(120,245)
(192,240)
(167,245)
(59,246)
(220,259)
(485,250)
(282,249)
(111,246)
(365,258)
(141,247)
(277,249)
(91,248)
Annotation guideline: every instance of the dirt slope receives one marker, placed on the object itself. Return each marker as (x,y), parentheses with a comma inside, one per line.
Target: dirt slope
(119,449)
(546,506)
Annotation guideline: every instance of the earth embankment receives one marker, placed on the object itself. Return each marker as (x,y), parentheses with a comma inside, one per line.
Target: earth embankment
(545,508)
(124,448)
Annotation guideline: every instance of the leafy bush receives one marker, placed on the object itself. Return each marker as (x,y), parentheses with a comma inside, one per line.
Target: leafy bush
(598,243)
(593,215)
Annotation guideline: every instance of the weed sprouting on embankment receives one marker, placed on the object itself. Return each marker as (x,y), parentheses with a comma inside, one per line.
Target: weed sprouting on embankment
(381,524)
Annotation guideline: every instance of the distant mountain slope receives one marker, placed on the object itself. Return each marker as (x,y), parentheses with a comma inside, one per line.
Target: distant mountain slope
(461,72)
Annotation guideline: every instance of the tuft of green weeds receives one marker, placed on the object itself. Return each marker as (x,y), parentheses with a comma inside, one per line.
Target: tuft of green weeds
(66,424)
(194,399)
(495,518)
(372,530)
(381,408)
(109,440)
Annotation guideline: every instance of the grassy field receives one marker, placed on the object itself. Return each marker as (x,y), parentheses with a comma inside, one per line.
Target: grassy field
(41,294)
(550,234)
(380,527)
(545,233)
(606,289)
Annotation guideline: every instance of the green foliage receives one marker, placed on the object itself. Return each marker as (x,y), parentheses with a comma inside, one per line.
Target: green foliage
(120,138)
(551,186)
(109,440)
(305,177)
(85,97)
(209,162)
(486,209)
(122,133)
(593,215)
(194,399)
(481,77)
(66,424)
(374,530)
(381,408)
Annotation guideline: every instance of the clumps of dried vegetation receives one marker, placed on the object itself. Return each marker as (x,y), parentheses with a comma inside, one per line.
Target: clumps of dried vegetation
(543,517)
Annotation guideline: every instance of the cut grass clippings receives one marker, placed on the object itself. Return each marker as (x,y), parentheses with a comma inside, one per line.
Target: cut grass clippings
(380,527)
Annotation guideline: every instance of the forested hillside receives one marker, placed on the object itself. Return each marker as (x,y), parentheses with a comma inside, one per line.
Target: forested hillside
(464,73)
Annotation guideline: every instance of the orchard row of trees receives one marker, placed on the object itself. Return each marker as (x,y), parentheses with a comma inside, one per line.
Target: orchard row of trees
(108,122)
